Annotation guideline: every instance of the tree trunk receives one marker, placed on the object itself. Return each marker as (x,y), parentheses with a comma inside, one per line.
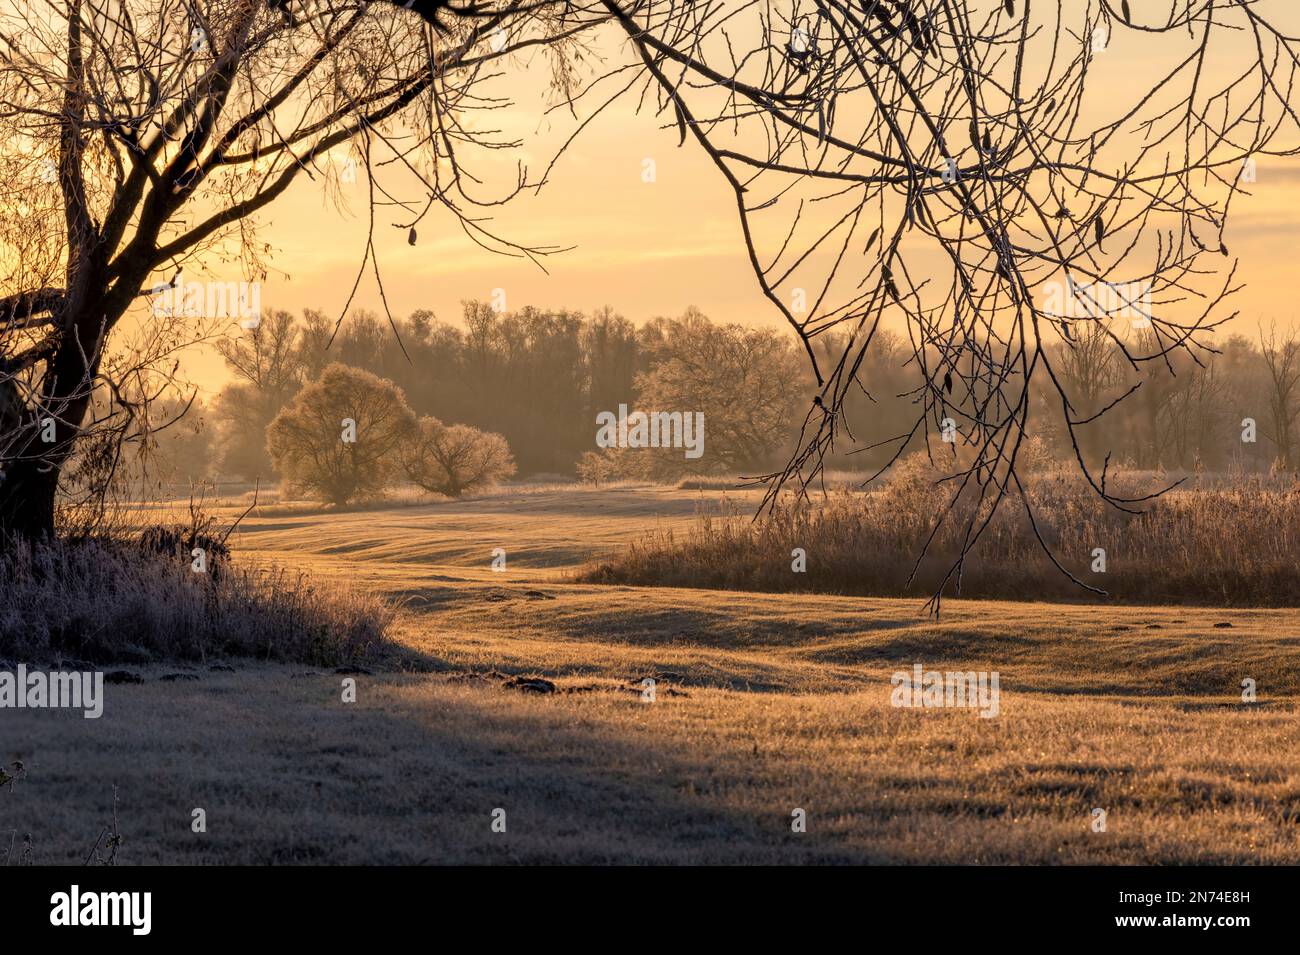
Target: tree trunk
(30,481)
(27,500)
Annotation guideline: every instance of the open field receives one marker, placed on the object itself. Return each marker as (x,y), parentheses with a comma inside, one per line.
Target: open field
(765,703)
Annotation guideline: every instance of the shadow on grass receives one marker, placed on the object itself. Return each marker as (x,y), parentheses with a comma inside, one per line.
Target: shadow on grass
(287,773)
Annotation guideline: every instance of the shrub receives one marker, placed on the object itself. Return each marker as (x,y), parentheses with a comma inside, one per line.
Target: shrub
(1229,544)
(112,599)
(316,452)
(455,459)
(613,464)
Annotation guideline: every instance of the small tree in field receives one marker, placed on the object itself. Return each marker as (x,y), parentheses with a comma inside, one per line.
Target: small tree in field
(453,459)
(747,382)
(342,435)
(614,464)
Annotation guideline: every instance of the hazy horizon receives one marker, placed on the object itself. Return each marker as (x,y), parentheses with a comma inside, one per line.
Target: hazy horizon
(645,249)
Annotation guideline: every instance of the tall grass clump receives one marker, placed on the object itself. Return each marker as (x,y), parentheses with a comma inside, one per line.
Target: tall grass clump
(106,599)
(1233,542)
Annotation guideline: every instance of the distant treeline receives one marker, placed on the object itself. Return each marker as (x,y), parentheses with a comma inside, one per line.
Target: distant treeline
(537,377)
(540,377)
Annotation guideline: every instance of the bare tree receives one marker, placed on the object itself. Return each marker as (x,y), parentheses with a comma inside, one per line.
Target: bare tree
(1281,353)
(1087,367)
(269,367)
(742,376)
(947,163)
(142,138)
(269,358)
(1194,413)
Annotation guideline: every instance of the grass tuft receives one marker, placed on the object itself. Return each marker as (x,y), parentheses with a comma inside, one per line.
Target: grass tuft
(118,600)
(1226,542)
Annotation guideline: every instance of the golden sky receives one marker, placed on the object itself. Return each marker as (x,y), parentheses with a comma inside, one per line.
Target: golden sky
(646,249)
